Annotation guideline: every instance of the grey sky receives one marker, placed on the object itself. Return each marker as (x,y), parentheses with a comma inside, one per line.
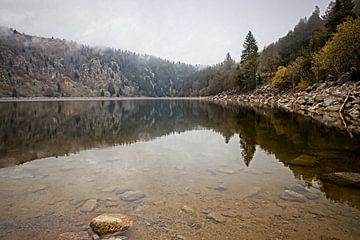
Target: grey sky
(192,31)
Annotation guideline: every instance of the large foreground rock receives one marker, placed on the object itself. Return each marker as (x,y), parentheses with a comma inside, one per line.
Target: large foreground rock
(110,223)
(343,178)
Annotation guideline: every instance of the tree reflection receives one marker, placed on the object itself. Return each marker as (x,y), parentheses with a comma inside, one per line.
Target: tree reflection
(42,129)
(247,150)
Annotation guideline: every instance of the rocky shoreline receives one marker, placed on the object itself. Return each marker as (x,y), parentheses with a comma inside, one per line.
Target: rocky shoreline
(332,103)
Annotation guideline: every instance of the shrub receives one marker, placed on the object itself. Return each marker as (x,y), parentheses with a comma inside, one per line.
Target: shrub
(280,80)
(341,54)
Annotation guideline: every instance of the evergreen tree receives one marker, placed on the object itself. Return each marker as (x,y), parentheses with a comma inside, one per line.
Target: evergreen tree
(249,63)
(228,62)
(250,47)
(111,89)
(357,7)
(338,12)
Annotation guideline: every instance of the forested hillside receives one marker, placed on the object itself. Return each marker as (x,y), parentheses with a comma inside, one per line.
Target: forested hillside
(35,66)
(319,48)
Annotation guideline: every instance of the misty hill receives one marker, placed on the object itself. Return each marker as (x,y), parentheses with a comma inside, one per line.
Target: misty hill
(36,66)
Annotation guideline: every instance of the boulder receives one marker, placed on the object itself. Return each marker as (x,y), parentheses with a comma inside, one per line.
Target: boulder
(304,160)
(343,178)
(110,223)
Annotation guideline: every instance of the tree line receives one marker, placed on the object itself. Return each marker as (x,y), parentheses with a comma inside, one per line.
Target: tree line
(319,48)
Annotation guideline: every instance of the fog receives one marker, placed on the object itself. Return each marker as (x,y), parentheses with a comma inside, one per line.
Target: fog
(191,31)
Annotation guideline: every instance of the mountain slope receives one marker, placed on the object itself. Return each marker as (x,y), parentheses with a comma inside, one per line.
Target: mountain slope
(35,66)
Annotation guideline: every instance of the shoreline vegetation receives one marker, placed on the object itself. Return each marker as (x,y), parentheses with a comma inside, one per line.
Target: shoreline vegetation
(333,104)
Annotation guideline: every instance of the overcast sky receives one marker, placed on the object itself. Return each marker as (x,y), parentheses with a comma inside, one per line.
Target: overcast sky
(191,31)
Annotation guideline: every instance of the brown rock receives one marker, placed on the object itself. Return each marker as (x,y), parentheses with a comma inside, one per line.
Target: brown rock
(110,223)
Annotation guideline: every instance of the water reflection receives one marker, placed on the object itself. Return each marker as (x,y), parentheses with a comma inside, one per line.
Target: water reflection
(31,131)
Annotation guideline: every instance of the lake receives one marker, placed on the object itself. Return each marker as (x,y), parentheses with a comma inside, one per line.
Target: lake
(181,169)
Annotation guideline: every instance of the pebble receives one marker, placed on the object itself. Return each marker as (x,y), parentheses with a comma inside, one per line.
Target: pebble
(187,209)
(230,213)
(180,167)
(89,205)
(220,188)
(180,237)
(226,171)
(216,217)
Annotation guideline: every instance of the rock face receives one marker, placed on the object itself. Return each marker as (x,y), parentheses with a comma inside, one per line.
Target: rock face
(110,223)
(343,178)
(304,160)
(35,66)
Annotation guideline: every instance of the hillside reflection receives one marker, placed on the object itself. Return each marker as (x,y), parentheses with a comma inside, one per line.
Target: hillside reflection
(36,130)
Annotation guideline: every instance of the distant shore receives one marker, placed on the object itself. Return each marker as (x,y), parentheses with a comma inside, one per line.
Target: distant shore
(64,99)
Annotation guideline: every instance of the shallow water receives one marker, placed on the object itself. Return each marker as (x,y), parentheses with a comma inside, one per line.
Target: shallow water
(202,171)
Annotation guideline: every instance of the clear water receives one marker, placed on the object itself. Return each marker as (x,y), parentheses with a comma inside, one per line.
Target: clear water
(205,171)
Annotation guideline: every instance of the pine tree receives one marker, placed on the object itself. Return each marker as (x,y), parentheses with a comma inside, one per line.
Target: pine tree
(338,12)
(249,63)
(228,62)
(250,47)
(111,89)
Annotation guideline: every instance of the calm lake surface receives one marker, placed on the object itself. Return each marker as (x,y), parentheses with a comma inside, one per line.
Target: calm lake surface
(179,168)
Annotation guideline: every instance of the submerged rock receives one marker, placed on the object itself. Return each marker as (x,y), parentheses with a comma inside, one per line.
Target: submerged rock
(312,196)
(304,160)
(74,236)
(226,171)
(187,209)
(111,202)
(298,188)
(343,178)
(230,213)
(289,195)
(220,188)
(89,205)
(131,196)
(180,237)
(180,167)
(37,188)
(216,217)
(110,223)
